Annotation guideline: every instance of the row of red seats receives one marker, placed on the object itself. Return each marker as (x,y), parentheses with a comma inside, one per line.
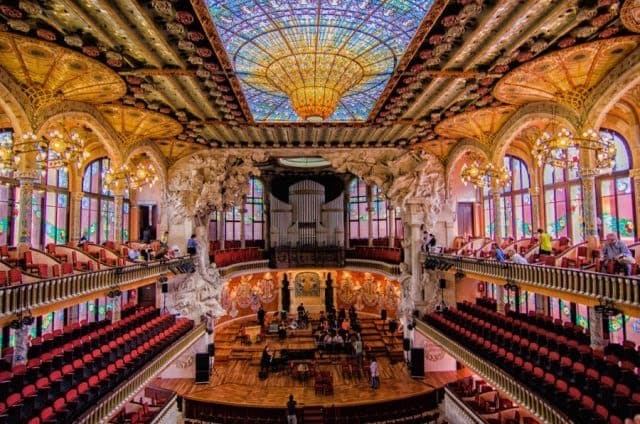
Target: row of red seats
(535,366)
(224,258)
(99,370)
(384,254)
(10,277)
(58,356)
(559,334)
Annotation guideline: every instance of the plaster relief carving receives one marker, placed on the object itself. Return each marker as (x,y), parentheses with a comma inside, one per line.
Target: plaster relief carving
(208,182)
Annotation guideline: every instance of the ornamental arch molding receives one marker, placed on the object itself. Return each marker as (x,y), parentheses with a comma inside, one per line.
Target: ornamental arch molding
(155,156)
(88,116)
(14,103)
(623,77)
(525,117)
(461,149)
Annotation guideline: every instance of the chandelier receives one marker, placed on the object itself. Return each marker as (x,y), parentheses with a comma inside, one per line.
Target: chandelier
(562,149)
(119,179)
(484,175)
(314,81)
(52,152)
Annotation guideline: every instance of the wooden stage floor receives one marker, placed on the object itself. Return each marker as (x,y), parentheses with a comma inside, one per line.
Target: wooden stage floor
(235,381)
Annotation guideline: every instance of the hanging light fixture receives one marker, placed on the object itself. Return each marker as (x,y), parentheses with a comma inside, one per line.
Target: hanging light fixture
(561,148)
(484,175)
(55,151)
(123,177)
(65,150)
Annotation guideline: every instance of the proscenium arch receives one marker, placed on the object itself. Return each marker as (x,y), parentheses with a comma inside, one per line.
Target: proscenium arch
(15,104)
(523,118)
(460,149)
(91,118)
(156,157)
(624,76)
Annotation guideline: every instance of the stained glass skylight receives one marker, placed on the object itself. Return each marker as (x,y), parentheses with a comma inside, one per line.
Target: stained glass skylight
(315,59)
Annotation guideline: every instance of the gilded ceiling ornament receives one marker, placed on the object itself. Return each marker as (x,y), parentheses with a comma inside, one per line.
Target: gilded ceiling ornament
(630,15)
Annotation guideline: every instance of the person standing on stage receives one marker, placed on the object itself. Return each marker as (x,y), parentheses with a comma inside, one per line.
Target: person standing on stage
(292,418)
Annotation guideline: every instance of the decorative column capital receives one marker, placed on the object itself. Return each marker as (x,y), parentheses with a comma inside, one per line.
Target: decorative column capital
(27,175)
(589,173)
(76,196)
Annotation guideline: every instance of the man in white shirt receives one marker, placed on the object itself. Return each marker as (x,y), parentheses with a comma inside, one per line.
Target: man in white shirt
(517,258)
(375,374)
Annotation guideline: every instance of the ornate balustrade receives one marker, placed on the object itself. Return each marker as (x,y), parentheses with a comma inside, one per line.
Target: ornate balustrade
(391,269)
(590,286)
(116,399)
(496,377)
(46,292)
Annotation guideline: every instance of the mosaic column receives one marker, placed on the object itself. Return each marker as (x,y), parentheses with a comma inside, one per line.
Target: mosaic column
(392,225)
(416,219)
(589,212)
(118,200)
(498,218)
(534,193)
(25,208)
(500,298)
(596,329)
(635,174)
(163,224)
(76,203)
(21,346)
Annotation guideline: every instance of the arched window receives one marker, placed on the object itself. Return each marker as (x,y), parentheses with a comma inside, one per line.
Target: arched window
(358,214)
(253,216)
(97,210)
(55,205)
(516,202)
(379,214)
(615,194)
(563,203)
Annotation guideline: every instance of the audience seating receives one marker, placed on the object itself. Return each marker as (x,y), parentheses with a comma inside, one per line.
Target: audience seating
(73,367)
(224,258)
(551,358)
(384,254)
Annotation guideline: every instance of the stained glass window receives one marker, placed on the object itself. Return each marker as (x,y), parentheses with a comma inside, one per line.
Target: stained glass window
(515,204)
(563,203)
(615,195)
(264,37)
(97,208)
(253,215)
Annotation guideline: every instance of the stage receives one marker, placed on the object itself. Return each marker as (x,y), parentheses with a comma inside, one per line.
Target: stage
(234,379)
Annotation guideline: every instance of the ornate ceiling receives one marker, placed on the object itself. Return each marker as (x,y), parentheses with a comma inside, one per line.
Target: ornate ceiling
(204,64)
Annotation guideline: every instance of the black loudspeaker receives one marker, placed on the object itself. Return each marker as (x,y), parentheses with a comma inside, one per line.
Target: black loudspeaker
(202,368)
(417,362)
(383,314)
(211,348)
(165,288)
(406,345)
(443,283)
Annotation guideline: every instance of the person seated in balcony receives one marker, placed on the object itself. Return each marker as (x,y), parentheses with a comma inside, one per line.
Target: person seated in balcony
(516,258)
(498,253)
(134,254)
(617,252)
(83,240)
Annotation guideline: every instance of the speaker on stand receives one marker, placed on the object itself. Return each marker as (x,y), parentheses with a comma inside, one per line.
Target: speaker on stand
(202,368)
(417,362)
(383,314)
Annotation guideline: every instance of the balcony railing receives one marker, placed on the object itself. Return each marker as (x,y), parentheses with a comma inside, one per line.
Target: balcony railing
(45,292)
(116,399)
(496,377)
(593,285)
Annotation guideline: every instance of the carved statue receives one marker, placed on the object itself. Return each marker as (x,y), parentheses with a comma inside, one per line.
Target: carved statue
(407,300)
(206,183)
(401,175)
